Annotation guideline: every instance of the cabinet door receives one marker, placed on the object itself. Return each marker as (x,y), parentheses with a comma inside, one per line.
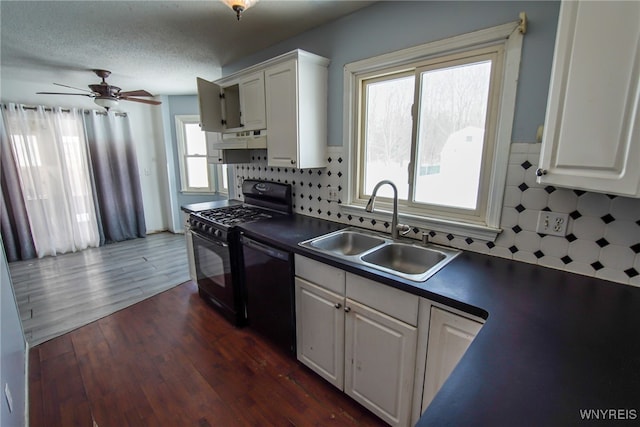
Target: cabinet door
(210,106)
(449,338)
(320,331)
(190,258)
(380,356)
(282,114)
(252,102)
(592,127)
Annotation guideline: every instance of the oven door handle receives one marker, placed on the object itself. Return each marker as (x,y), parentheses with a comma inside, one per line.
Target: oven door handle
(219,243)
(209,240)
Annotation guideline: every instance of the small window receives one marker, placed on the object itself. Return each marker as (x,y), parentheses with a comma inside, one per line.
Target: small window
(197,174)
(436,121)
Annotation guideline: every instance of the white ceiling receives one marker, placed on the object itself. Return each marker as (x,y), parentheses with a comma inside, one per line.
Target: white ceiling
(159,46)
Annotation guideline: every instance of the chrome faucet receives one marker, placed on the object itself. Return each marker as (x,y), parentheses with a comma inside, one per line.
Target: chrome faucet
(395,227)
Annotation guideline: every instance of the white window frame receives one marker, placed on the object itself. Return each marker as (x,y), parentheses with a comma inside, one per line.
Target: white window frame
(213,170)
(509,38)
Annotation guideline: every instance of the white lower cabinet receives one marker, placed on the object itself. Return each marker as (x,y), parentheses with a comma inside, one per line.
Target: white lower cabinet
(380,354)
(450,335)
(389,350)
(320,330)
(189,242)
(354,333)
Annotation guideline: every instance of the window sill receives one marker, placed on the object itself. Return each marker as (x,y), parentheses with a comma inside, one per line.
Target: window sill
(457,228)
(197,193)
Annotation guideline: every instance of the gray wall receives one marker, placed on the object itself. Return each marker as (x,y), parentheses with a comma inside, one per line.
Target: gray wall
(12,351)
(178,105)
(182,105)
(388,26)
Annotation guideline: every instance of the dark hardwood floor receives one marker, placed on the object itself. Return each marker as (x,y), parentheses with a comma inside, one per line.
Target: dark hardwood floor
(171,360)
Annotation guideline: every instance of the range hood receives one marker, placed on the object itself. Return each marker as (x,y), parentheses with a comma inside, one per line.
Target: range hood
(254,139)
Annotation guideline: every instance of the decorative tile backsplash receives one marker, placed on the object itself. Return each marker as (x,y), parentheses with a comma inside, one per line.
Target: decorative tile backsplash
(603,237)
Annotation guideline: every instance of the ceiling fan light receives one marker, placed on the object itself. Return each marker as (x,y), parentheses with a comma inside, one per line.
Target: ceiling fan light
(106,102)
(239,6)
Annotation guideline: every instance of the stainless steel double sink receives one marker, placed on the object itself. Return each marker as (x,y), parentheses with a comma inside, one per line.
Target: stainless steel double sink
(400,258)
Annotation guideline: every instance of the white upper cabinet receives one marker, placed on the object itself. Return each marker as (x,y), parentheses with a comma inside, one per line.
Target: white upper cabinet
(284,98)
(296,104)
(591,138)
(252,104)
(209,101)
(232,104)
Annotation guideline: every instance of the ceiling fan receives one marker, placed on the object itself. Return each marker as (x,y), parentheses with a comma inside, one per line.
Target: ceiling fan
(106,95)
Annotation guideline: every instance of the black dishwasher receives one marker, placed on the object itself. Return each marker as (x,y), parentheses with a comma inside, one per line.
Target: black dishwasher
(268,285)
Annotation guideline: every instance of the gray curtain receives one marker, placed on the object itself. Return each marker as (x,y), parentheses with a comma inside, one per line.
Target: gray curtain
(16,231)
(115,170)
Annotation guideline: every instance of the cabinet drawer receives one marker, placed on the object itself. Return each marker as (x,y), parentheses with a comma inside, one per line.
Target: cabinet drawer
(396,303)
(321,274)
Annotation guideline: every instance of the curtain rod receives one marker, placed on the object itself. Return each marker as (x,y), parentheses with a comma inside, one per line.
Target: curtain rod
(66,110)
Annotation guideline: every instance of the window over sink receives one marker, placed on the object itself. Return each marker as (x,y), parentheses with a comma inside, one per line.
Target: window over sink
(436,120)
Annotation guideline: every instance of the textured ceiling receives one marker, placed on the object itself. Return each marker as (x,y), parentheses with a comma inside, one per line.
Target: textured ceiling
(160,46)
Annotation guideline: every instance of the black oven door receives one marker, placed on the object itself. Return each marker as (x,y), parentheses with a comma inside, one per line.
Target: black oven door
(215,274)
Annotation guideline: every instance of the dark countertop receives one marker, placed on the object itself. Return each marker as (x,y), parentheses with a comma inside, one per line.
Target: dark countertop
(554,343)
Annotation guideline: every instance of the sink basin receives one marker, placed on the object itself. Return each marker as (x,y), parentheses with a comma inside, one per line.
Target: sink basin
(346,243)
(367,248)
(406,259)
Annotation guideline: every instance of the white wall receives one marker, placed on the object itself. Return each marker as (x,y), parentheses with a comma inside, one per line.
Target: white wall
(13,352)
(148,135)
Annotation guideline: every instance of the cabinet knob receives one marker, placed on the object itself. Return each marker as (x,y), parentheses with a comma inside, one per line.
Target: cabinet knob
(293,162)
(540,172)
(337,305)
(347,309)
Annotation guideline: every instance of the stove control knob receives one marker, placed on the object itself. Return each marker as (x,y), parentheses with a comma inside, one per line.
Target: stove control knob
(209,229)
(217,233)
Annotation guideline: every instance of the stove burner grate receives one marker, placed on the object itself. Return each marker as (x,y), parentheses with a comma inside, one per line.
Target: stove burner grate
(234,215)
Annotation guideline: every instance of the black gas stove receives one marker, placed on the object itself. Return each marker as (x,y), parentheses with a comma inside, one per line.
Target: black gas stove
(263,200)
(216,243)
(219,222)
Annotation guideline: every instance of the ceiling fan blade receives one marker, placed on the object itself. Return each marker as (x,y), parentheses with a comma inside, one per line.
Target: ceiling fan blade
(138,92)
(71,87)
(144,101)
(63,93)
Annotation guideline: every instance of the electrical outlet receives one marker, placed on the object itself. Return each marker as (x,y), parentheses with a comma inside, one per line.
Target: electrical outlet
(332,195)
(7,394)
(552,223)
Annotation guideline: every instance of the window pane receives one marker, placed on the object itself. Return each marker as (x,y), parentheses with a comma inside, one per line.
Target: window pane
(225,178)
(453,109)
(196,143)
(387,132)
(197,172)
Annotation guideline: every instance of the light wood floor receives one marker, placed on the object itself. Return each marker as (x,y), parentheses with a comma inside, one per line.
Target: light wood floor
(58,294)
(172,361)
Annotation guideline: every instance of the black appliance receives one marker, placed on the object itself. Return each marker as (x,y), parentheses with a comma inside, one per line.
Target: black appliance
(216,243)
(268,281)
